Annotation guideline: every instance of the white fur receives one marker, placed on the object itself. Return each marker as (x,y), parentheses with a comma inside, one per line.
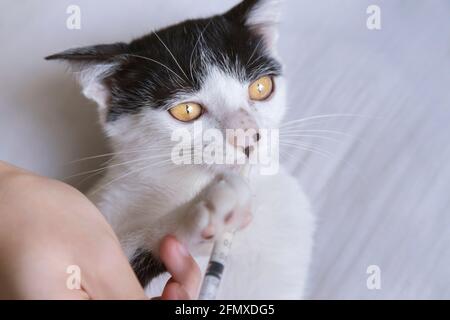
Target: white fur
(145,196)
(265,12)
(90,78)
(264,19)
(270,258)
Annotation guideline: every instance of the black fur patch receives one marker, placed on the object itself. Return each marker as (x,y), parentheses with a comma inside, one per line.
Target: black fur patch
(148,75)
(146,266)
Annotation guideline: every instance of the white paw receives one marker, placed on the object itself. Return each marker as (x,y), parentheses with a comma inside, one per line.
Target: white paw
(222,206)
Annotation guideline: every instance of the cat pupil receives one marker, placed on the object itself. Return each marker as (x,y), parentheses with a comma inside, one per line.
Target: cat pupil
(260,87)
(188,109)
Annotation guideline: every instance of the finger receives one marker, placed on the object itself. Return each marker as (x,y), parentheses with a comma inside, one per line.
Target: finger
(181,266)
(175,291)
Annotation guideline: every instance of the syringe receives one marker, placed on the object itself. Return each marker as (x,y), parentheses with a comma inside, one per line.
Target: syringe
(216,265)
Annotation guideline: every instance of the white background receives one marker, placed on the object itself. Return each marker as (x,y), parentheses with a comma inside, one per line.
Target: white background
(382,198)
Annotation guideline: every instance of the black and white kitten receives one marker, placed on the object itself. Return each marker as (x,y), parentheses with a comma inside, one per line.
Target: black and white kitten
(216,70)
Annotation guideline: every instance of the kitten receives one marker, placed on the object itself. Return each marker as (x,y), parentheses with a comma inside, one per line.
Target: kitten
(223,71)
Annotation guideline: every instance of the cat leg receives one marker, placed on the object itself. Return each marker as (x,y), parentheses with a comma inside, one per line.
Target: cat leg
(223,205)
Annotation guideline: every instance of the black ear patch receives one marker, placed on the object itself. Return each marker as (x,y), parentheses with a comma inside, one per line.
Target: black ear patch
(149,72)
(102,52)
(146,266)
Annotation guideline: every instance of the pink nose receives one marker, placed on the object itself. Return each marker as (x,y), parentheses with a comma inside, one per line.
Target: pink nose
(244,132)
(246,140)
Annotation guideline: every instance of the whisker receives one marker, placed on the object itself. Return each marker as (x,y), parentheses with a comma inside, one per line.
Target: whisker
(304,125)
(155,61)
(160,147)
(195,47)
(298,130)
(97,173)
(171,54)
(256,60)
(128,174)
(331,156)
(114,165)
(104,155)
(309,136)
(324,116)
(93,174)
(253,53)
(285,153)
(319,151)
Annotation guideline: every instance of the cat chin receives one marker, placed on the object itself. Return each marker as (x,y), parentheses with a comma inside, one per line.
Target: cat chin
(215,169)
(236,168)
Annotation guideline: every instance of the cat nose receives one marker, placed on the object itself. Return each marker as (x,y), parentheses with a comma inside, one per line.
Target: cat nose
(244,133)
(245,140)
(248,150)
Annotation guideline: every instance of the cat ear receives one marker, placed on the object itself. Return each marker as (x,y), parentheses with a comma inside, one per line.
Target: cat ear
(92,65)
(261,16)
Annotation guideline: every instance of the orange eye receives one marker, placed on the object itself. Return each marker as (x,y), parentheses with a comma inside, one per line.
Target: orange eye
(186,112)
(261,89)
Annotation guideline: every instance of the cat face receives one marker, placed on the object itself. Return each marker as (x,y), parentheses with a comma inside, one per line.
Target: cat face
(215,73)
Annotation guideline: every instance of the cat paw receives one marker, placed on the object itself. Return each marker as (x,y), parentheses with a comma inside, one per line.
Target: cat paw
(223,206)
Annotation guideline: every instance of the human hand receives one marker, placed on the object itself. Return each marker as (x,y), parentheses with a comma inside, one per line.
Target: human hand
(47,226)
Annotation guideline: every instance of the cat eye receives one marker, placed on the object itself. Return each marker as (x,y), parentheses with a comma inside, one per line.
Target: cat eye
(185,112)
(261,89)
